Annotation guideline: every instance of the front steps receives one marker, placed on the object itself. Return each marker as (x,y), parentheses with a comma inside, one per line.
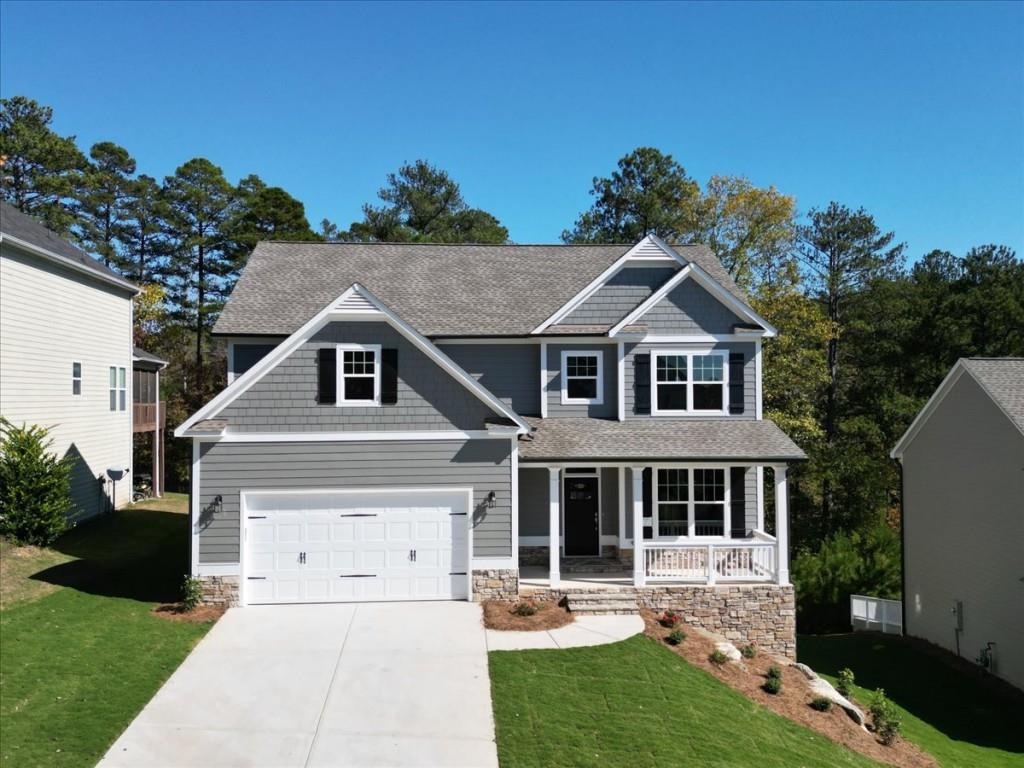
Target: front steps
(610,565)
(593,602)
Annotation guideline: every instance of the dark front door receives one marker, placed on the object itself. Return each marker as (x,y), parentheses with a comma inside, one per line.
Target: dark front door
(582,537)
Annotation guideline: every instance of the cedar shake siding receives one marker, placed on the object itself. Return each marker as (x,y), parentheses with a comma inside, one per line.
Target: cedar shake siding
(226,469)
(608,408)
(511,372)
(623,293)
(285,399)
(688,308)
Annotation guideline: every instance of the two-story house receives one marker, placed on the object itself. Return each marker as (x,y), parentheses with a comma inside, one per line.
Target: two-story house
(460,421)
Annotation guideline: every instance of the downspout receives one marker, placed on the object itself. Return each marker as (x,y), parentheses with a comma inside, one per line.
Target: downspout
(903,552)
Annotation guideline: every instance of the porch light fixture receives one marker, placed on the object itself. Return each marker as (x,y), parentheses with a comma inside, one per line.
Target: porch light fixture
(491,498)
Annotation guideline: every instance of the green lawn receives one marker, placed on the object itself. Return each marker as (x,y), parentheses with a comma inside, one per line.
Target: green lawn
(637,704)
(948,713)
(79,659)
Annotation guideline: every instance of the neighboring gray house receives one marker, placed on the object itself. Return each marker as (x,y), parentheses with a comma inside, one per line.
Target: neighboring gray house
(456,421)
(963,515)
(66,355)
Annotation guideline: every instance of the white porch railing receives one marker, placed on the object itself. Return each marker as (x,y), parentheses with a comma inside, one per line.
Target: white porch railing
(876,613)
(710,562)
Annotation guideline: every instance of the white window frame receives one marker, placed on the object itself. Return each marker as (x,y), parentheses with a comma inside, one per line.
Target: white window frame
(689,354)
(340,400)
(119,388)
(690,504)
(76,379)
(597,355)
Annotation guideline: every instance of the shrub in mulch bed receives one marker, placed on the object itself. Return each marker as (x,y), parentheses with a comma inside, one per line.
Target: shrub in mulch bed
(525,615)
(201,614)
(821,704)
(717,657)
(670,619)
(675,637)
(793,699)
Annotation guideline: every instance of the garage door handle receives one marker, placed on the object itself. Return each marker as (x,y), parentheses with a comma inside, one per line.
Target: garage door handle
(257,517)
(357,576)
(256,578)
(358,514)
(457,514)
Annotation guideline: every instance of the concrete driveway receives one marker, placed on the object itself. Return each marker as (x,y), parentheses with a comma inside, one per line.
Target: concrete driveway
(382,684)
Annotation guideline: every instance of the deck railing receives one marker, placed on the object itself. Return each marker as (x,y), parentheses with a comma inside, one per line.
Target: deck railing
(146,416)
(711,562)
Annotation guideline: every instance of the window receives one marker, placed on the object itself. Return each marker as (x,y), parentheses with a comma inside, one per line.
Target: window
(690,502)
(582,378)
(76,378)
(359,377)
(689,383)
(118,389)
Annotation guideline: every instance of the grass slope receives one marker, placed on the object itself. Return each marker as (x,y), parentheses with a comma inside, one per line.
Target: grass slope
(634,703)
(78,664)
(951,715)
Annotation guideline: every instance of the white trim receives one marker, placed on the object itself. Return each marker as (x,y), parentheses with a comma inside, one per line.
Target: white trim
(340,400)
(689,354)
(542,541)
(573,338)
(515,500)
(345,437)
(65,261)
(554,519)
(759,498)
(564,379)
(544,380)
(620,380)
(328,314)
(194,509)
(707,282)
(603,278)
(758,394)
(561,490)
(220,569)
(243,494)
(623,540)
(639,566)
(78,378)
(493,564)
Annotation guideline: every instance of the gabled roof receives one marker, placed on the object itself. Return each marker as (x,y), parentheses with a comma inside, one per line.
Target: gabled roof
(1002,379)
(140,355)
(25,232)
(354,301)
(441,290)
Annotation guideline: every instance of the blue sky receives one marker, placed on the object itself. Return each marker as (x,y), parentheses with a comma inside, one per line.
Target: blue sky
(914,111)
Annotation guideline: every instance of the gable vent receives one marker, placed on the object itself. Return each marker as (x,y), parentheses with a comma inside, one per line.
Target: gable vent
(650,250)
(354,303)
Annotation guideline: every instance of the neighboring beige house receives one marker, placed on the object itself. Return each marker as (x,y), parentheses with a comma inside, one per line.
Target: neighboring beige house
(963,515)
(66,354)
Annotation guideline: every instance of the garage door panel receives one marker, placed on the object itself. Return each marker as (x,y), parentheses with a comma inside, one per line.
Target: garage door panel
(322,547)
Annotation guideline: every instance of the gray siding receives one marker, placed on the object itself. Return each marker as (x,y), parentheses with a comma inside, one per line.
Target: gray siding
(748,349)
(688,308)
(533,502)
(609,501)
(284,400)
(609,408)
(510,372)
(623,293)
(228,468)
(963,519)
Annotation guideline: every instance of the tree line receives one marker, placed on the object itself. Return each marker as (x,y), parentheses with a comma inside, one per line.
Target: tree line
(864,337)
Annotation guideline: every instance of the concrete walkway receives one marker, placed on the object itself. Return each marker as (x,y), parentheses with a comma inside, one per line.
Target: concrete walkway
(585,630)
(384,684)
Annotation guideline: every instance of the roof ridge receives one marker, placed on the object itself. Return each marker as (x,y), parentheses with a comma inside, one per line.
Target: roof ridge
(473,245)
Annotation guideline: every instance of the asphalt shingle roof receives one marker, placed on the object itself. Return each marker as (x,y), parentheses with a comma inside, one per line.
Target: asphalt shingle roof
(586,439)
(1003,379)
(441,290)
(17,224)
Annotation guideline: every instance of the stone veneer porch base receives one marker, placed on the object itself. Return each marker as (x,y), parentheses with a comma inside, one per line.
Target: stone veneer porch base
(220,590)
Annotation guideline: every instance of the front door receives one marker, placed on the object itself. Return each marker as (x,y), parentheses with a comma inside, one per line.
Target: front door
(582,536)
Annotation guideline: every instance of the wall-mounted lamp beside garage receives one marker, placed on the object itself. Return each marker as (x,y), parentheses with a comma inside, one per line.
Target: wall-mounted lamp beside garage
(491,499)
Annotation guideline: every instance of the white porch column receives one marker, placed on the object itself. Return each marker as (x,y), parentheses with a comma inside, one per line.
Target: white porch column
(638,526)
(782,524)
(554,512)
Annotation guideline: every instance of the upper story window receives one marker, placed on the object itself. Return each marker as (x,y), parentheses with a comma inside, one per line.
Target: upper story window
(118,389)
(582,378)
(359,374)
(76,378)
(685,382)
(690,502)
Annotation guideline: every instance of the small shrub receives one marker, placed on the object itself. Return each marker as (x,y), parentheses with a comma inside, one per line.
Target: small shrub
(845,682)
(749,651)
(821,704)
(718,658)
(772,685)
(525,609)
(675,637)
(774,673)
(886,718)
(191,592)
(35,485)
(669,619)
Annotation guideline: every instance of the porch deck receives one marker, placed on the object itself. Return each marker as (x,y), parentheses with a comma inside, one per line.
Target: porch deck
(537,577)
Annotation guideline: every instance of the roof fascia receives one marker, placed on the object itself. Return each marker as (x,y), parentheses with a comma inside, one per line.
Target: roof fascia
(64,261)
(925,413)
(605,276)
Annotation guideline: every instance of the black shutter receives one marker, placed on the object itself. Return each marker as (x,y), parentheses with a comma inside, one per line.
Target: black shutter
(738,513)
(648,500)
(327,375)
(736,383)
(642,383)
(389,376)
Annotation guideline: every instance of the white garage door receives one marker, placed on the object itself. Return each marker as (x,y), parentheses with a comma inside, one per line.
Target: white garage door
(341,546)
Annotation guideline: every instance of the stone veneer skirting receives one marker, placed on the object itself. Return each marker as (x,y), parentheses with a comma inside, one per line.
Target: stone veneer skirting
(220,590)
(762,614)
(496,584)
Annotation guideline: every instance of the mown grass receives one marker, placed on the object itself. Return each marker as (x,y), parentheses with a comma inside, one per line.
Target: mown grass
(80,649)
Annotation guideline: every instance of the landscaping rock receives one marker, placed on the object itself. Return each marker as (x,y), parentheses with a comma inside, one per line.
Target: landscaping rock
(732,653)
(821,687)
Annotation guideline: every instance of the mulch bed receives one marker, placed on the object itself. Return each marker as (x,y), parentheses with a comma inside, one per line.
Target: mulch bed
(792,702)
(199,615)
(500,615)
